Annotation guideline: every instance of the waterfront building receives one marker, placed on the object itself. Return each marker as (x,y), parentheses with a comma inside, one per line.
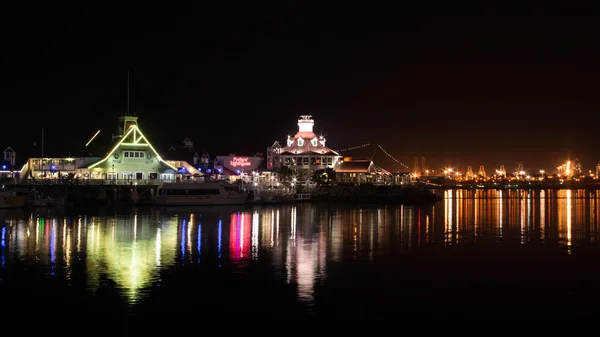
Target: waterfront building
(403,178)
(361,172)
(9,169)
(55,168)
(131,158)
(234,165)
(304,153)
(185,158)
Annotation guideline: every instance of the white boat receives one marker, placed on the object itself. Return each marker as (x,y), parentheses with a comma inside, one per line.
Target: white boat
(199,193)
(10,199)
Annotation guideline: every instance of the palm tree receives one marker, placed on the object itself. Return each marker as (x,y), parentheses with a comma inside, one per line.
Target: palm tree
(285,174)
(324,176)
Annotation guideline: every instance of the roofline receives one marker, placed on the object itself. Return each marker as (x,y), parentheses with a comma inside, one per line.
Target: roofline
(131,129)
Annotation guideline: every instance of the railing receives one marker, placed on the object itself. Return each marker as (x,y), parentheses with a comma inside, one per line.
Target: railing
(120,182)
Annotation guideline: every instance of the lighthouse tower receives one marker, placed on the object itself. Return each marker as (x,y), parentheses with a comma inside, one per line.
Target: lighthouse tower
(126,120)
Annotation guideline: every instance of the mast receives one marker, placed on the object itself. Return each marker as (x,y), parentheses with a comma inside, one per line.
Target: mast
(128,71)
(42,143)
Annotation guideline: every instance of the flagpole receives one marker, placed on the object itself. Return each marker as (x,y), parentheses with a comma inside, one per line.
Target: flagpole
(42,143)
(128,92)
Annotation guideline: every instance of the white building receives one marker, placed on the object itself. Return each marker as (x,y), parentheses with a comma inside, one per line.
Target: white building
(304,153)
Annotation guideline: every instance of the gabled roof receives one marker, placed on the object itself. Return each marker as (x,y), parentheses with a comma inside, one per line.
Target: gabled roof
(181,153)
(133,136)
(306,145)
(354,166)
(360,166)
(381,171)
(20,161)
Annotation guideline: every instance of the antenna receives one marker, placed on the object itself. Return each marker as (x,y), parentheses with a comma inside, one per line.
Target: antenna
(128,71)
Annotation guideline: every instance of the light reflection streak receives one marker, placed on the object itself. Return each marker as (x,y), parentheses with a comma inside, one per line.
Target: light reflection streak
(371,234)
(64,236)
(78,235)
(305,271)
(272,242)
(135,222)
(380,219)
(199,249)
(183,231)
(448,218)
(293,226)
(255,235)
(529,215)
(291,246)
(37,233)
(219,239)
(569,229)
(523,212)
(475,218)
(277,226)
(500,214)
(543,215)
(241,234)
(92,235)
(427,229)
(53,248)
(3,247)
(67,250)
(189,235)
(157,246)
(98,233)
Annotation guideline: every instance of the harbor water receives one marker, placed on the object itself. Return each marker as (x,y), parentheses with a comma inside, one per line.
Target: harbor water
(486,256)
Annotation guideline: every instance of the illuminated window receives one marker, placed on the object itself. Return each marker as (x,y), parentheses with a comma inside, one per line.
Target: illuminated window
(300,142)
(134,154)
(313,141)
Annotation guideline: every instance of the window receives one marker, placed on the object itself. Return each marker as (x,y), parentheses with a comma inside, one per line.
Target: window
(300,142)
(313,141)
(152,175)
(134,154)
(166,176)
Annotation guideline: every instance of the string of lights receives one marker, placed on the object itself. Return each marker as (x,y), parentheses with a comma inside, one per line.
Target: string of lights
(354,147)
(389,155)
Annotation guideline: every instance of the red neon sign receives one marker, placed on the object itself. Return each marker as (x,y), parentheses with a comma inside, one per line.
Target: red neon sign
(240,162)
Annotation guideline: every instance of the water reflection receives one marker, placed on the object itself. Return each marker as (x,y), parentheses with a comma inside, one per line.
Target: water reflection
(298,243)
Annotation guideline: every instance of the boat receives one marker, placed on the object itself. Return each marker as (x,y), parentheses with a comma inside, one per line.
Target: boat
(10,199)
(213,192)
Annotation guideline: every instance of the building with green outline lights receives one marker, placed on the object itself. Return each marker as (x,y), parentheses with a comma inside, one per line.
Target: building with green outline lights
(131,158)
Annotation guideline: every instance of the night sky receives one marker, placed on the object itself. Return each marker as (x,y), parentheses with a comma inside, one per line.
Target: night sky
(458,86)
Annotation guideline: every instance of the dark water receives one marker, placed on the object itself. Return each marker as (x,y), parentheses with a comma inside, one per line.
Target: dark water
(484,256)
